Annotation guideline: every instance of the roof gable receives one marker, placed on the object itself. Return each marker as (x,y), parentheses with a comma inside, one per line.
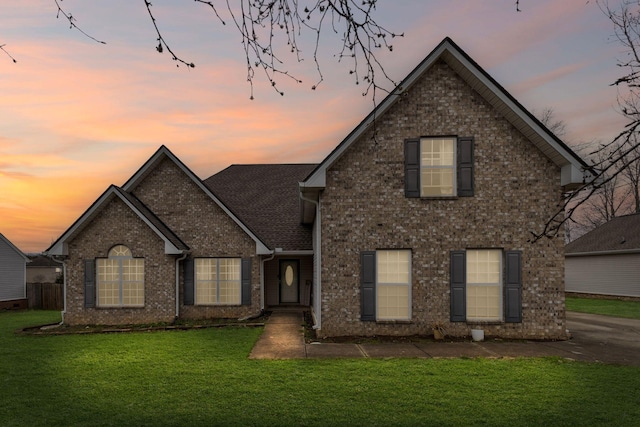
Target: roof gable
(621,234)
(13,247)
(572,166)
(172,243)
(162,153)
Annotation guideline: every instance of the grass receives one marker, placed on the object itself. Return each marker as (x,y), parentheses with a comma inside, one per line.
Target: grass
(203,377)
(607,307)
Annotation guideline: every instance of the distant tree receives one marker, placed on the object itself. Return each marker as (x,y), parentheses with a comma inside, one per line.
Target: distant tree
(631,174)
(613,160)
(549,119)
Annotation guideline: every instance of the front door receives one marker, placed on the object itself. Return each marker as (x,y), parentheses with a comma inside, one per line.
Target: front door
(289,281)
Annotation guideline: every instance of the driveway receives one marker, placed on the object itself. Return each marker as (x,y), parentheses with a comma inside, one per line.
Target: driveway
(602,338)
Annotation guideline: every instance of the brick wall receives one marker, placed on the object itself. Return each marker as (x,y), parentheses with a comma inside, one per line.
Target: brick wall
(203,226)
(117,224)
(193,216)
(364,208)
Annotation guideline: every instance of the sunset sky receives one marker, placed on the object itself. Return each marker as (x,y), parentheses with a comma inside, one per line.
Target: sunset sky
(77,116)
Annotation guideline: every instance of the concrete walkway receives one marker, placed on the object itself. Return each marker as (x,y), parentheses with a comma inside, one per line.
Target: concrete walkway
(283,337)
(595,339)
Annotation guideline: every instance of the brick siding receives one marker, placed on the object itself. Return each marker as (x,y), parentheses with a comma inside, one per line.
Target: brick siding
(193,216)
(364,208)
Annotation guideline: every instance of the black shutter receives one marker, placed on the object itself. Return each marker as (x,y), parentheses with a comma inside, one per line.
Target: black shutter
(368,285)
(89,283)
(458,286)
(412,168)
(465,166)
(189,281)
(513,287)
(245,277)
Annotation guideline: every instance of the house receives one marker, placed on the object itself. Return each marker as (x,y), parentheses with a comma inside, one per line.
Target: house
(42,269)
(606,260)
(13,291)
(420,216)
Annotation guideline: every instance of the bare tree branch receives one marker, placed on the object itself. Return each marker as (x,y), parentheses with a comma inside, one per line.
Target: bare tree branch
(263,23)
(7,53)
(162,42)
(72,23)
(608,189)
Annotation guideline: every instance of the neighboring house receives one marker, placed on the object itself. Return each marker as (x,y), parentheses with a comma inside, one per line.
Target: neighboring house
(421,216)
(42,269)
(13,291)
(606,260)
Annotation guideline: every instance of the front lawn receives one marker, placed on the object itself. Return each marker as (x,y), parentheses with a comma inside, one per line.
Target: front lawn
(203,377)
(607,307)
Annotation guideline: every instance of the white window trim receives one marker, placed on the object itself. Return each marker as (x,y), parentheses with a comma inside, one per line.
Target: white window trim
(217,282)
(408,285)
(454,191)
(121,281)
(500,284)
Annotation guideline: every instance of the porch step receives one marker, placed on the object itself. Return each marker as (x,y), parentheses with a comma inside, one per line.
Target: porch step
(282,338)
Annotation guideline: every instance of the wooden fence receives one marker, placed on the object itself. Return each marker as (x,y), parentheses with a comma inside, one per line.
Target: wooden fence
(45,296)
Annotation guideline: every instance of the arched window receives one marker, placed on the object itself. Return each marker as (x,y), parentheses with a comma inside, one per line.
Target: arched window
(120,279)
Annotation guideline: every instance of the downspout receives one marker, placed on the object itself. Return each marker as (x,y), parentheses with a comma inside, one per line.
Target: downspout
(262,284)
(317,317)
(184,255)
(64,287)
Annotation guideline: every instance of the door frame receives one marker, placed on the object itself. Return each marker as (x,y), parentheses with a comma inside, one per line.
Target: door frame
(281,281)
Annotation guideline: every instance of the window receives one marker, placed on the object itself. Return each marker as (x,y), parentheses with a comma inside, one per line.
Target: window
(437,167)
(484,285)
(217,281)
(480,291)
(386,285)
(120,279)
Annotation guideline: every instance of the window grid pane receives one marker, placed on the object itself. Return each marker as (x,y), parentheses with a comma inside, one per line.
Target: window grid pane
(437,162)
(120,279)
(393,302)
(218,281)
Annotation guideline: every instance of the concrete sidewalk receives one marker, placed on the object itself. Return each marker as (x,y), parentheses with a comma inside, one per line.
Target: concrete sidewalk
(283,339)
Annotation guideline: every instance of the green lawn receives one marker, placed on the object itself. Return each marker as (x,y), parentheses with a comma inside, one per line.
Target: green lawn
(203,377)
(607,307)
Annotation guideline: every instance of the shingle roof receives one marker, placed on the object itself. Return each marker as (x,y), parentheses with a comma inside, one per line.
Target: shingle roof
(42,261)
(619,234)
(265,198)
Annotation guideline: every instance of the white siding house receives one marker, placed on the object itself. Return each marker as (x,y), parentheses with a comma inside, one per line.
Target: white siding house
(12,273)
(606,261)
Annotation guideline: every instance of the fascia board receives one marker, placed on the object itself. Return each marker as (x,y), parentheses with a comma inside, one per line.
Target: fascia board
(14,247)
(514,106)
(599,253)
(60,247)
(261,248)
(318,178)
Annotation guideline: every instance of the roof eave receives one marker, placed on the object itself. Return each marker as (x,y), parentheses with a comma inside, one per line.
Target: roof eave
(492,92)
(61,248)
(261,247)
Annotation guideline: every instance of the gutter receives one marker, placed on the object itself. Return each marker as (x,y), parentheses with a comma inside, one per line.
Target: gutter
(613,252)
